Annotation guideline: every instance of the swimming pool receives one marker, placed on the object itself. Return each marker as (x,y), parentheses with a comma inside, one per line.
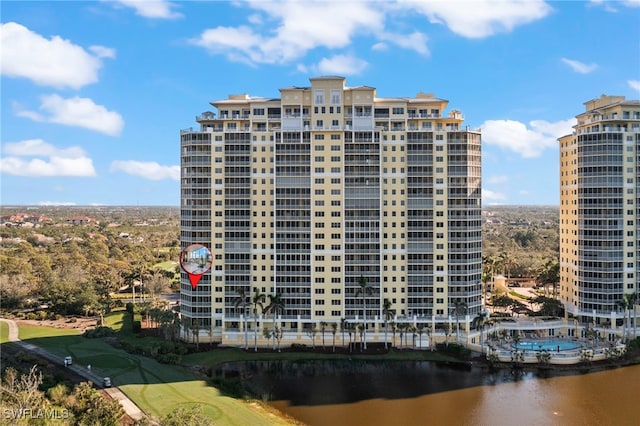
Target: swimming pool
(549,345)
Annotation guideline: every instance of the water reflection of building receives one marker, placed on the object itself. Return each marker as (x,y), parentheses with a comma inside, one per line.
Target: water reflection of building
(599,208)
(305,194)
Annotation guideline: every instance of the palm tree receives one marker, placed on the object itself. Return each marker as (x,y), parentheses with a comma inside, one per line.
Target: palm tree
(257,301)
(459,307)
(343,328)
(623,304)
(311,332)
(394,328)
(420,330)
(363,289)
(387,314)
(633,299)
(195,330)
(334,329)
(323,327)
(275,306)
(480,320)
(360,329)
(447,331)
(506,261)
(243,302)
(401,329)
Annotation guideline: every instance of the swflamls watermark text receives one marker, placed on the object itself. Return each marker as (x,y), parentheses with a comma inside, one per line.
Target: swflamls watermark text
(35,413)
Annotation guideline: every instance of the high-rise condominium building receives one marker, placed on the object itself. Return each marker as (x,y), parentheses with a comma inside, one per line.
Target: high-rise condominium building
(599,211)
(309,195)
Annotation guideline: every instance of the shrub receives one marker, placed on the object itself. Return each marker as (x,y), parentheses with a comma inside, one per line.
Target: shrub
(136,327)
(454,349)
(41,315)
(102,331)
(169,358)
(129,307)
(31,316)
(72,320)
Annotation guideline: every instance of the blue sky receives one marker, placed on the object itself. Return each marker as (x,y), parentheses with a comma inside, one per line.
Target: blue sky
(94,94)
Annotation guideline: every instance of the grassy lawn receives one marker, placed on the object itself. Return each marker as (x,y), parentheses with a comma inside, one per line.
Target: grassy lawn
(4,332)
(156,388)
(168,265)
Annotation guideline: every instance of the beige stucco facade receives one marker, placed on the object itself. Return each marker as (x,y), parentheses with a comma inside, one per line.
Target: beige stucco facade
(599,210)
(304,195)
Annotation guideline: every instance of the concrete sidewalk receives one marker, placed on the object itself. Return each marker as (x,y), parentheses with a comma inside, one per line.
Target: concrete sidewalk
(128,405)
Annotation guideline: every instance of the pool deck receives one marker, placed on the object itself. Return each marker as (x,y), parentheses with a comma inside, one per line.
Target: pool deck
(587,350)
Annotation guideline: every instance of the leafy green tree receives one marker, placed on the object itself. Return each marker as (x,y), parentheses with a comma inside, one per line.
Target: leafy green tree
(182,416)
(90,408)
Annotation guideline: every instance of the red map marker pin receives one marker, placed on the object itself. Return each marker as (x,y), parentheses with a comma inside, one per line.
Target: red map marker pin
(196,260)
(194,279)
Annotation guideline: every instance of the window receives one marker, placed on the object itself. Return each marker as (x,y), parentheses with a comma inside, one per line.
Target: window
(258,111)
(319,97)
(335,97)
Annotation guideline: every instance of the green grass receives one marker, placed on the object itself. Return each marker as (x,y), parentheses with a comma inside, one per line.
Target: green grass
(28,332)
(4,332)
(156,388)
(168,265)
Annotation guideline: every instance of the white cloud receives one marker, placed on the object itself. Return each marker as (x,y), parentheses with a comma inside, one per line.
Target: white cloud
(154,9)
(634,84)
(103,52)
(70,161)
(52,62)
(380,46)
(608,4)
(301,27)
(56,203)
(415,41)
(489,195)
(76,111)
(341,65)
(497,179)
(481,18)
(580,67)
(528,142)
(147,169)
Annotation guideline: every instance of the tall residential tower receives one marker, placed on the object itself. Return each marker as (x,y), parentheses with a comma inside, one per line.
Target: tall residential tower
(308,194)
(599,211)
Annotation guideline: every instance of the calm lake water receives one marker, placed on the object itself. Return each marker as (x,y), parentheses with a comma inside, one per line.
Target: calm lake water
(423,393)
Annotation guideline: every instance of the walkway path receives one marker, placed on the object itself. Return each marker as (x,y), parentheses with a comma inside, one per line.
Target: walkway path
(128,405)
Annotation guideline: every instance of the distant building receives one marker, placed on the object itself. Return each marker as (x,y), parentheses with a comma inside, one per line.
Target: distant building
(79,220)
(599,210)
(304,195)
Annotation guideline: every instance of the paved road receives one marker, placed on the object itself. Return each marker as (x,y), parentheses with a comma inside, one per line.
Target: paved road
(129,407)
